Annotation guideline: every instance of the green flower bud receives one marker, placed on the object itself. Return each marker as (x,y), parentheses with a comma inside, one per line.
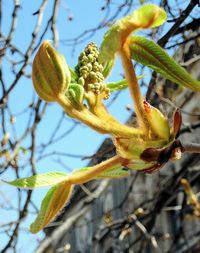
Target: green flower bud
(84,59)
(83,73)
(91,58)
(82,54)
(100,77)
(81,81)
(90,72)
(106,93)
(93,75)
(50,73)
(89,66)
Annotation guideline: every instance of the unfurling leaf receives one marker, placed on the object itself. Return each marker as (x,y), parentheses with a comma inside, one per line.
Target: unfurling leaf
(107,68)
(50,73)
(53,202)
(153,56)
(75,93)
(157,121)
(147,16)
(74,76)
(120,85)
(41,180)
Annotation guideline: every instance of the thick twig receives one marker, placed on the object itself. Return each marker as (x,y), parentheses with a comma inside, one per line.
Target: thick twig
(191,148)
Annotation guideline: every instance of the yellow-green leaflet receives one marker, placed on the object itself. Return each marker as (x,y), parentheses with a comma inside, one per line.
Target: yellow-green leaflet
(53,202)
(120,85)
(41,180)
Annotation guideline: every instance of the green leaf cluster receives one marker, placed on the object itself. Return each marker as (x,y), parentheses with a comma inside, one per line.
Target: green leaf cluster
(59,193)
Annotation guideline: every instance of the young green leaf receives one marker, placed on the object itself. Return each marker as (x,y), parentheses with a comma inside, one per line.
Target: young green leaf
(153,56)
(75,93)
(120,85)
(53,202)
(147,16)
(74,76)
(41,180)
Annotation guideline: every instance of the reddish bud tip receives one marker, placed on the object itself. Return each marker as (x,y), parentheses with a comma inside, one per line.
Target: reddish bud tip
(147,106)
(177,122)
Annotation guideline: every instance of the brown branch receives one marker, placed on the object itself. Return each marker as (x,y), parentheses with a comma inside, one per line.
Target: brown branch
(184,14)
(191,147)
(193,25)
(14,22)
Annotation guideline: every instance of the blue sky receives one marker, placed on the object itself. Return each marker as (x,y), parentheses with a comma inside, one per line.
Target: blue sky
(83,141)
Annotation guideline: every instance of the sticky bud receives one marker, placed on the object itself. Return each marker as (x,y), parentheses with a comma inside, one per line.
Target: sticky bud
(177,123)
(157,121)
(50,74)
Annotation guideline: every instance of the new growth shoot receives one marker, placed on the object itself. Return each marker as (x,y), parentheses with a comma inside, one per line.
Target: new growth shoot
(81,92)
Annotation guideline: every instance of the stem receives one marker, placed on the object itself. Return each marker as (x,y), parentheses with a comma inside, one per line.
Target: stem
(84,177)
(106,124)
(133,86)
(191,148)
(83,115)
(116,128)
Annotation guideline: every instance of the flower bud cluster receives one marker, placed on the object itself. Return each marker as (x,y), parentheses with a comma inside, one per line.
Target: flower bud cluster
(90,71)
